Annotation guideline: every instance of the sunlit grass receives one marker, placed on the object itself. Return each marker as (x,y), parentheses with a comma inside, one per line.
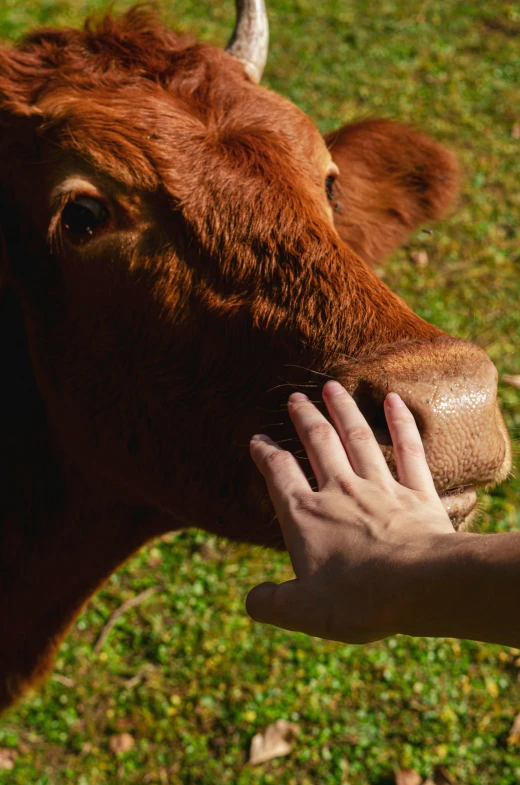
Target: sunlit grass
(186,673)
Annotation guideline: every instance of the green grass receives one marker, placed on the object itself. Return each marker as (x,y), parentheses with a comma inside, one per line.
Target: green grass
(209,678)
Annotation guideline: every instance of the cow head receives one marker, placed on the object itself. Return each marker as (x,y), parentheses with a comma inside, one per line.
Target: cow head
(178,255)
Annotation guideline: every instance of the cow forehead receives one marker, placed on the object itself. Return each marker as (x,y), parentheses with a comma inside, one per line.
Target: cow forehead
(138,133)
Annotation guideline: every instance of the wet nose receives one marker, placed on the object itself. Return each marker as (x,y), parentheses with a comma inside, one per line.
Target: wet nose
(451,389)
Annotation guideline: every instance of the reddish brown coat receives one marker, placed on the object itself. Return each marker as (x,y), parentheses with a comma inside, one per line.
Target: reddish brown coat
(138,359)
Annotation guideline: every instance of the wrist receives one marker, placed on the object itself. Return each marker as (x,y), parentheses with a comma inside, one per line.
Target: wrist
(459,585)
(434,576)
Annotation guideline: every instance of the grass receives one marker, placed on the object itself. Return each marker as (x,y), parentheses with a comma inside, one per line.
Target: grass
(186,673)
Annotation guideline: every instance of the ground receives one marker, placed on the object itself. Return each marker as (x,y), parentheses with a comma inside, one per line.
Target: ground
(186,673)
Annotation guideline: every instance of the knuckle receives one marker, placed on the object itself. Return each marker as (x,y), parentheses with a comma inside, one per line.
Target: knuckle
(347,486)
(345,402)
(360,433)
(304,502)
(413,448)
(319,431)
(277,458)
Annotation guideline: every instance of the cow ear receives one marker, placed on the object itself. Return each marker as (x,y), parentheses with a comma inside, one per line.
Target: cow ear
(21,74)
(392,179)
(20,80)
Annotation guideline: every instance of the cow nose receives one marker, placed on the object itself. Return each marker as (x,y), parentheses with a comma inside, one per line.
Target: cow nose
(451,388)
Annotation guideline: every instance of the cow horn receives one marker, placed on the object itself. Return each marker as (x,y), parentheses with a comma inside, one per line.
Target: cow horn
(250,40)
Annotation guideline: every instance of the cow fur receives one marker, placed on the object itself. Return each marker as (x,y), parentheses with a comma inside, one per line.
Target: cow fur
(133,365)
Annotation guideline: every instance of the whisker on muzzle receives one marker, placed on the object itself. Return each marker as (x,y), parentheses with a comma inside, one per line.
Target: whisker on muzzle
(296,387)
(286,441)
(300,455)
(310,370)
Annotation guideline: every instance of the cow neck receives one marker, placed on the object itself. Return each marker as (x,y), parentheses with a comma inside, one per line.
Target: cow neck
(60,536)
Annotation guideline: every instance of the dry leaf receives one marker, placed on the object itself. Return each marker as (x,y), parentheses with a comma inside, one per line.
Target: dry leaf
(122,743)
(407,777)
(514,381)
(515,131)
(441,776)
(208,552)
(63,680)
(275,742)
(514,733)
(155,558)
(420,258)
(7,759)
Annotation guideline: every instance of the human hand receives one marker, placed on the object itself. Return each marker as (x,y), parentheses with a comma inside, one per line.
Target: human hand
(356,541)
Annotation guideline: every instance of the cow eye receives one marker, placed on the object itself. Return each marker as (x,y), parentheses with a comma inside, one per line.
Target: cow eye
(83,215)
(329,187)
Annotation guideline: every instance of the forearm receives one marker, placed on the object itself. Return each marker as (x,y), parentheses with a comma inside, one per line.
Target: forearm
(464,586)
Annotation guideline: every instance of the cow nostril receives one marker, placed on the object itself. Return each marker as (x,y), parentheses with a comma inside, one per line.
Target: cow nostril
(370,400)
(370,403)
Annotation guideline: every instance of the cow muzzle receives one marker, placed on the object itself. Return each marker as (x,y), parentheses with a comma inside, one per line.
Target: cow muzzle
(451,388)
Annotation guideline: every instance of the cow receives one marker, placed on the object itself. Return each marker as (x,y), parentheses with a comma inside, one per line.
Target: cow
(181,248)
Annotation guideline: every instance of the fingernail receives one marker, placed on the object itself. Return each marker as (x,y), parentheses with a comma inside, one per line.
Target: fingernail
(260,437)
(295,397)
(334,388)
(394,400)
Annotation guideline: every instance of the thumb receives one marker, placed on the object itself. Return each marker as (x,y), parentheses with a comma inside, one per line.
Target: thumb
(286,605)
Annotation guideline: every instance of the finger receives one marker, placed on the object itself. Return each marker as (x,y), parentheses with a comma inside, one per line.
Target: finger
(322,444)
(294,606)
(358,439)
(289,606)
(281,471)
(412,468)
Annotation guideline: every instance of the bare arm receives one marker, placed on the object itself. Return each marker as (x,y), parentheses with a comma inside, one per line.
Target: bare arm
(469,588)
(373,556)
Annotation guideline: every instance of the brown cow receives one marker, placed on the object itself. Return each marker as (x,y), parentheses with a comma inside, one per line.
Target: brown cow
(169,258)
